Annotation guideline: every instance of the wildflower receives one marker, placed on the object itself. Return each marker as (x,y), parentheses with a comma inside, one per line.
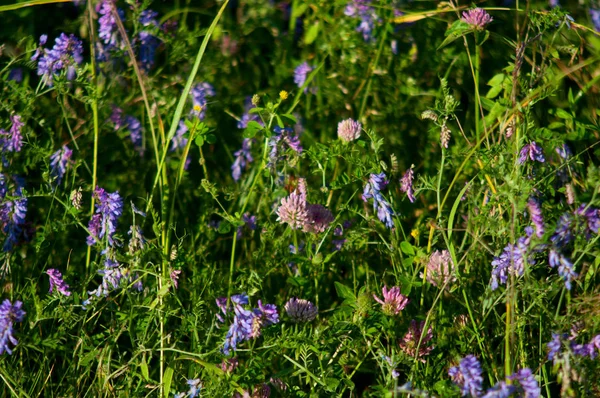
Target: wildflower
(348,130)
(261,391)
(393,301)
(76,197)
(511,262)
(372,189)
(429,114)
(135,132)
(300,74)
(59,161)
(56,280)
(148,46)
(440,269)
(108,31)
(591,217)
(247,116)
(137,241)
(104,222)
(64,55)
(174,275)
(228,365)
(563,234)
(554,347)
(528,383)
(293,211)
(300,310)
(564,151)
(445,136)
(195,387)
(12,213)
(500,390)
(533,206)
(318,219)
(532,151)
(467,376)
(9,315)
(199,94)
(477,18)
(406,184)
(148,18)
(363,10)
(243,157)
(283,95)
(12,141)
(179,141)
(595,17)
(565,267)
(414,338)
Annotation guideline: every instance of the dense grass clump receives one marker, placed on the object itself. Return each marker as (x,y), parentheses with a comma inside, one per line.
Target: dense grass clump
(264,198)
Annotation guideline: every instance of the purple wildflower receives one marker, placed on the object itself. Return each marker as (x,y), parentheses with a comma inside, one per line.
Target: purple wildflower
(56,280)
(393,301)
(348,130)
(528,383)
(477,18)
(179,141)
(9,315)
(12,213)
(532,151)
(300,310)
(413,337)
(595,17)
(406,184)
(247,116)
(174,275)
(64,55)
(564,151)
(283,137)
(135,133)
(108,31)
(468,376)
(12,141)
(116,117)
(372,189)
(565,267)
(199,94)
(363,10)
(148,18)
(440,269)
(533,206)
(243,157)
(511,262)
(318,219)
(300,74)
(554,347)
(292,211)
(148,46)
(104,222)
(59,161)
(563,234)
(500,390)
(591,217)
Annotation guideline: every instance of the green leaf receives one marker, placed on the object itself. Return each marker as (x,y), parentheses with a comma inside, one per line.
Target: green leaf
(290,118)
(493,92)
(299,10)
(167,378)
(312,33)
(561,113)
(344,292)
(251,129)
(210,138)
(455,31)
(407,248)
(144,368)
(224,227)
(199,141)
(496,80)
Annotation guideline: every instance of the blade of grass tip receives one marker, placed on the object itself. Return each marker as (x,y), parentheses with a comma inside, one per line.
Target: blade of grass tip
(31,3)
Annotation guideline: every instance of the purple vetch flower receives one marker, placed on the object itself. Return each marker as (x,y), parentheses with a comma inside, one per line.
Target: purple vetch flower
(532,151)
(247,116)
(500,390)
(113,275)
(591,216)
(565,267)
(179,141)
(413,337)
(528,384)
(349,130)
(406,184)
(108,31)
(318,219)
(195,387)
(264,315)
(9,315)
(243,157)
(564,151)
(199,94)
(477,18)
(174,275)
(365,12)
(535,212)
(148,46)
(228,365)
(59,161)
(104,222)
(12,212)
(393,300)
(293,211)
(116,117)
(283,138)
(372,190)
(554,346)
(16,75)
(149,18)
(595,17)
(512,261)
(300,310)
(468,376)
(300,74)
(137,241)
(440,269)
(563,234)
(249,222)
(56,280)
(12,141)
(66,53)
(135,133)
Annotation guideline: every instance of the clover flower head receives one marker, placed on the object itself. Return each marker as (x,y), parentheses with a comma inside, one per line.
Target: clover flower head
(349,130)
(293,211)
(300,310)
(393,300)
(318,218)
(440,269)
(411,340)
(477,17)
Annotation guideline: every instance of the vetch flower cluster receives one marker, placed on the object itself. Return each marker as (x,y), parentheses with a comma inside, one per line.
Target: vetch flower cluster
(372,190)
(300,74)
(147,39)
(66,53)
(56,281)
(363,10)
(59,161)
(12,140)
(9,315)
(406,184)
(393,300)
(113,275)
(512,261)
(246,324)
(108,31)
(533,152)
(13,210)
(104,222)
(300,310)
(200,92)
(243,157)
